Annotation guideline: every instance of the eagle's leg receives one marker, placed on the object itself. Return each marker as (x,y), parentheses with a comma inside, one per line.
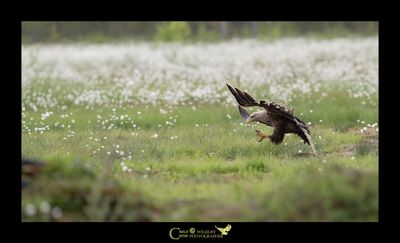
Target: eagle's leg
(261,135)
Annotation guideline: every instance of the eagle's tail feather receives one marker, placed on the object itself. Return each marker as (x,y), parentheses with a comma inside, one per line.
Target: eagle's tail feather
(307,135)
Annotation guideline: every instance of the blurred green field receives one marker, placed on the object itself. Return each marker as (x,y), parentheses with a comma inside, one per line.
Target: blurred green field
(147,131)
(199,163)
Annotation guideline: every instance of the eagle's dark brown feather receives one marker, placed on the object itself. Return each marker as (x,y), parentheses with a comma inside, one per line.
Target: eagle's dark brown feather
(242,98)
(277,135)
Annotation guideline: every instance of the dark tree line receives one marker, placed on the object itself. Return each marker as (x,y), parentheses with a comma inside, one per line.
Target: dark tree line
(196,30)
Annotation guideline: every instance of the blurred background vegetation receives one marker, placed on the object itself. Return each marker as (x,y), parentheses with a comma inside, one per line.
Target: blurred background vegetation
(208,31)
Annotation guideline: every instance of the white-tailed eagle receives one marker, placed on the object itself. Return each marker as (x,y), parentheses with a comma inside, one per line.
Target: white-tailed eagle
(283,121)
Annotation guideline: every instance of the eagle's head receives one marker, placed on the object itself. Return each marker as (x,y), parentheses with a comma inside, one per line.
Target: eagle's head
(255,117)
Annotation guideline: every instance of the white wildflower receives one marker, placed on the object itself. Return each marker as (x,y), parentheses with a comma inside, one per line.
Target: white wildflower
(44,207)
(56,212)
(30,209)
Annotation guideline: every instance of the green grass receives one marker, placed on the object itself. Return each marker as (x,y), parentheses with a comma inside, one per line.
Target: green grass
(215,171)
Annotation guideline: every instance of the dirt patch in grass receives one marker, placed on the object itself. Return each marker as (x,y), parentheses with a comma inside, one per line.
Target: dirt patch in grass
(348,150)
(368,144)
(305,154)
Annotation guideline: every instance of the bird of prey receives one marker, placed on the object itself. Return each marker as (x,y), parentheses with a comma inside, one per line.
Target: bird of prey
(224,231)
(273,115)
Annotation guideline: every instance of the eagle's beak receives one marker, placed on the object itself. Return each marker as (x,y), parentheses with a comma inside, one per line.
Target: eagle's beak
(248,121)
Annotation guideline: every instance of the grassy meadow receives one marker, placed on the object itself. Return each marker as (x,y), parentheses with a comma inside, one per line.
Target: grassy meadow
(146,132)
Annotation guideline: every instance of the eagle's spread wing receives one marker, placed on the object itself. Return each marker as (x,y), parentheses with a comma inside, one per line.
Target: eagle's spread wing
(243,98)
(243,112)
(228,228)
(285,121)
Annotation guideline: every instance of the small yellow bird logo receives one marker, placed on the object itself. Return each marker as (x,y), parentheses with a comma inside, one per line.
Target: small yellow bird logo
(224,231)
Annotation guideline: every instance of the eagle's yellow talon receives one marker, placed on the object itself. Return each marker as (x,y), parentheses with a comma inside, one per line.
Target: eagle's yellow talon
(261,135)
